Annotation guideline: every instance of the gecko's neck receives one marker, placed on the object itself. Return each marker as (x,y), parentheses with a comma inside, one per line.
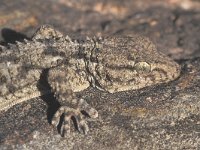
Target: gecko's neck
(87,45)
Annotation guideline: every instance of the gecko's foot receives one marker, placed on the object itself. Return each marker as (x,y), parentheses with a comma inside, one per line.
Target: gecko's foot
(75,113)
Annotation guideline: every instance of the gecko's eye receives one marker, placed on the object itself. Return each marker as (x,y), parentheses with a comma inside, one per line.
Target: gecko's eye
(142,67)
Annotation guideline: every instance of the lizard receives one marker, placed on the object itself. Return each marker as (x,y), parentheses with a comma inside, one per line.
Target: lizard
(112,64)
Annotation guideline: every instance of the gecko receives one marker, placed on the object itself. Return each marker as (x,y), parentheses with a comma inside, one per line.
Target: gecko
(111,64)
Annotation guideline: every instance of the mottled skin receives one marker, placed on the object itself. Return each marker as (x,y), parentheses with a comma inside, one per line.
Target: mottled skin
(112,64)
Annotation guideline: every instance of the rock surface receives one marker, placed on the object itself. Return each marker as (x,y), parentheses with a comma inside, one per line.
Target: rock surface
(160,117)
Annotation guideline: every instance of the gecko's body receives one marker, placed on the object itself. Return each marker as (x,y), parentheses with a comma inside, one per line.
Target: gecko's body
(112,64)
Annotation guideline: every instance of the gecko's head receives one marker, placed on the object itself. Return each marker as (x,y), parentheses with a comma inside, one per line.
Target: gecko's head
(134,63)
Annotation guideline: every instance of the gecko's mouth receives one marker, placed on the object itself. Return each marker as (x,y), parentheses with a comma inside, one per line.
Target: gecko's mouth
(140,67)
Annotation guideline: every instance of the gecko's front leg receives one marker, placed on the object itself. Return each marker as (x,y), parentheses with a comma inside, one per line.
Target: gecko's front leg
(64,81)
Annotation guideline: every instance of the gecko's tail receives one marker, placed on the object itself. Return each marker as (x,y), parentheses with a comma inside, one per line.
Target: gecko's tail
(10,100)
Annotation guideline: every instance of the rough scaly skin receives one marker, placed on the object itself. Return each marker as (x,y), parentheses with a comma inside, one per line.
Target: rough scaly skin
(112,64)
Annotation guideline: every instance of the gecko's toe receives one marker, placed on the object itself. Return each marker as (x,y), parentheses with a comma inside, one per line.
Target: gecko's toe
(68,113)
(77,114)
(83,105)
(81,123)
(65,128)
(56,118)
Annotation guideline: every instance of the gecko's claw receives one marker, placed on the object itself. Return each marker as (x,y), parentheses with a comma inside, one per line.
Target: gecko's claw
(70,113)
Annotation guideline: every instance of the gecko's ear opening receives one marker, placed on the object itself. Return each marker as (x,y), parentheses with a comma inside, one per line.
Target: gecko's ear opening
(46,32)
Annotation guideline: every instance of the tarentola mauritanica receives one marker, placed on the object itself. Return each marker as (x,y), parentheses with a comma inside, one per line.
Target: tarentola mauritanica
(112,64)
